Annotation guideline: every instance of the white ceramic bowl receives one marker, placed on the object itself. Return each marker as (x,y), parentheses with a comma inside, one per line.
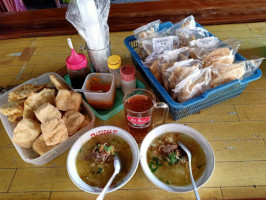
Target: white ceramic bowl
(166,128)
(71,159)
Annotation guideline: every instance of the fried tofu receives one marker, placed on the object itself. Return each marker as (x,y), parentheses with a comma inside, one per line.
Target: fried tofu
(85,122)
(58,84)
(73,121)
(24,92)
(47,112)
(54,131)
(26,131)
(40,147)
(68,100)
(35,100)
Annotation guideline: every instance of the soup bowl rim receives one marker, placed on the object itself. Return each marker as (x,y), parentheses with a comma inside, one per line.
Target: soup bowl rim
(71,159)
(174,127)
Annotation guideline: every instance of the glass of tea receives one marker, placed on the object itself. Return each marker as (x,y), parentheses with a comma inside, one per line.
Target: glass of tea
(139,109)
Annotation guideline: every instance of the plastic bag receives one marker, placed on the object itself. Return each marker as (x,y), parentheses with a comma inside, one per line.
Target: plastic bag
(215,52)
(224,54)
(146,30)
(192,86)
(188,34)
(90,17)
(179,71)
(225,73)
(165,60)
(160,45)
(188,22)
(199,47)
(145,45)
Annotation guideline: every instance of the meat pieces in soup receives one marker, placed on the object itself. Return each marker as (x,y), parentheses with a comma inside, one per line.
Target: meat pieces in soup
(169,163)
(94,161)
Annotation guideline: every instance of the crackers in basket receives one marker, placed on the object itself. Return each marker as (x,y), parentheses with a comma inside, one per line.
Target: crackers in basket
(46,115)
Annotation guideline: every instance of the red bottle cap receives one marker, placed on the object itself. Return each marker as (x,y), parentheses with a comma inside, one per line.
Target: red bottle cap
(76,61)
(127,73)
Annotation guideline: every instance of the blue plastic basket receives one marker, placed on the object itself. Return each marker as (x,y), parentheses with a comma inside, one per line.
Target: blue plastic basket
(210,97)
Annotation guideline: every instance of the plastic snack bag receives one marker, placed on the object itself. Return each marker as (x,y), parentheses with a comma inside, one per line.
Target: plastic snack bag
(167,59)
(225,73)
(160,45)
(179,71)
(192,86)
(188,22)
(188,34)
(145,46)
(146,30)
(199,47)
(223,54)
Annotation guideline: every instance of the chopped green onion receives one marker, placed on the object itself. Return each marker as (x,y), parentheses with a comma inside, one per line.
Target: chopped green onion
(153,166)
(172,158)
(99,170)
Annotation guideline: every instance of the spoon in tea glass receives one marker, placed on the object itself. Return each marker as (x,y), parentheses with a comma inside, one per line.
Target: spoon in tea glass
(190,168)
(117,165)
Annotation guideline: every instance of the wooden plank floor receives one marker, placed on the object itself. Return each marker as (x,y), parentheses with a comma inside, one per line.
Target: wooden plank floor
(236,129)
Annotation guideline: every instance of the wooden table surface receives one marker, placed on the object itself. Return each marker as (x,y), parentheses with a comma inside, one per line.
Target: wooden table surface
(236,128)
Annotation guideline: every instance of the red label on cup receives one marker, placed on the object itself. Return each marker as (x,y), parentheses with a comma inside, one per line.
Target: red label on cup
(138,120)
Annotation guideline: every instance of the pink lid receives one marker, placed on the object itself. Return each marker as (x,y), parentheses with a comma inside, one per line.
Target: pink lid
(76,61)
(127,73)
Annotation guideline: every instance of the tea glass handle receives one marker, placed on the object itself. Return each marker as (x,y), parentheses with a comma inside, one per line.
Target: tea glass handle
(165,107)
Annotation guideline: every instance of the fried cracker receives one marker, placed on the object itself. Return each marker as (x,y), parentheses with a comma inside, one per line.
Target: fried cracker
(11,108)
(24,91)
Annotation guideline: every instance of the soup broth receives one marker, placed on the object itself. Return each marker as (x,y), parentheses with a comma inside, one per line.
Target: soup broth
(94,161)
(169,163)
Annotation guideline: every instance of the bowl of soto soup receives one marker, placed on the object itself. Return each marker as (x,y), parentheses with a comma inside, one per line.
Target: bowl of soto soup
(90,162)
(165,163)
